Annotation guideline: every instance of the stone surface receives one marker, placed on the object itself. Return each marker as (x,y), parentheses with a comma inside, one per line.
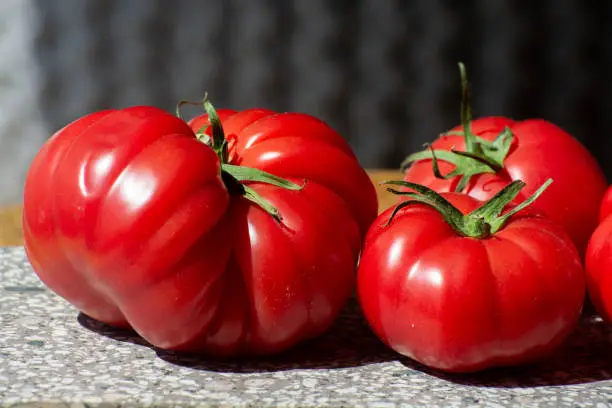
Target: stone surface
(51,356)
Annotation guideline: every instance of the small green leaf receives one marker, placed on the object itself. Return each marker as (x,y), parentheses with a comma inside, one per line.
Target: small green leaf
(429,154)
(243,173)
(218,136)
(436,167)
(481,157)
(500,147)
(398,207)
(203,137)
(463,182)
(495,205)
(257,199)
(499,222)
(426,195)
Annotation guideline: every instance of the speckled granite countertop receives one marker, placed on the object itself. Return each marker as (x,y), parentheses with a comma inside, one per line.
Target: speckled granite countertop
(51,356)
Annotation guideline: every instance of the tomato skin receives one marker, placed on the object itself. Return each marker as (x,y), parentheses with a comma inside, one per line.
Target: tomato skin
(294,145)
(605,207)
(598,265)
(461,304)
(540,150)
(127,217)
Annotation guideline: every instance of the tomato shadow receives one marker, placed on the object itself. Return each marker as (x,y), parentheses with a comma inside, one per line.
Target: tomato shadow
(586,357)
(348,343)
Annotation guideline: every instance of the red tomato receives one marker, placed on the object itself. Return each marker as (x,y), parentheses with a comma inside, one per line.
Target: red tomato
(598,265)
(128,216)
(598,255)
(538,150)
(605,207)
(459,303)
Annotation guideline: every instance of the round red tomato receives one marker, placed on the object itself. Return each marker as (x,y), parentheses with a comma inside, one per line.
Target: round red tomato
(137,223)
(605,208)
(598,265)
(532,151)
(470,294)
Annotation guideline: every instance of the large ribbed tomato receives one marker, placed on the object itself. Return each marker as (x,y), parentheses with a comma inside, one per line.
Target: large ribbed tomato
(137,222)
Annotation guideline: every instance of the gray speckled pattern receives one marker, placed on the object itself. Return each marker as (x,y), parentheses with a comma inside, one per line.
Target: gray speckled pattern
(51,356)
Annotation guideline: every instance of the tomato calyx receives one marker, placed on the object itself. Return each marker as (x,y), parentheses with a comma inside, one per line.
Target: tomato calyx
(234,177)
(480,155)
(481,223)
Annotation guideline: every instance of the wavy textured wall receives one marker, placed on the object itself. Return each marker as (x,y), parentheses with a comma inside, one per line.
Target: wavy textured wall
(381,72)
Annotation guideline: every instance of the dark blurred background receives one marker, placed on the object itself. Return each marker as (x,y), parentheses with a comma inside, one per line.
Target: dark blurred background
(381,72)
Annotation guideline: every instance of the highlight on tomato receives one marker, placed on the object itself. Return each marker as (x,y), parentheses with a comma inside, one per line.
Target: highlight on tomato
(461,285)
(239,238)
(481,156)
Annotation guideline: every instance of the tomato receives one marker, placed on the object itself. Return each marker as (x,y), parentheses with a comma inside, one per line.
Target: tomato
(605,207)
(532,151)
(453,285)
(598,255)
(598,264)
(138,223)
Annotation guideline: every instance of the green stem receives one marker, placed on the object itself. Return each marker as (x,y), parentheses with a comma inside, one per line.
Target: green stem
(233,176)
(201,132)
(219,144)
(184,102)
(480,155)
(466,110)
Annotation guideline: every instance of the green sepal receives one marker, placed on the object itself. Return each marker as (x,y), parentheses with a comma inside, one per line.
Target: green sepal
(219,144)
(480,155)
(492,209)
(425,195)
(234,176)
(203,137)
(465,166)
(480,223)
(254,197)
(243,173)
(183,102)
